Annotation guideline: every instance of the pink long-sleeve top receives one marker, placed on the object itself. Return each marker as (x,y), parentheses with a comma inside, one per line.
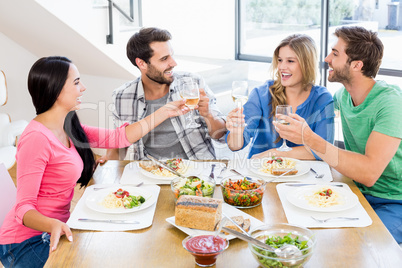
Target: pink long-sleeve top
(47,172)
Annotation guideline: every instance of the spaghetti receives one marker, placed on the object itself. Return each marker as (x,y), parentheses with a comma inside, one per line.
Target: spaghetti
(324,197)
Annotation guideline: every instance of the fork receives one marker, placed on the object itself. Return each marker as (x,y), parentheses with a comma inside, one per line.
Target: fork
(221,173)
(317,176)
(334,218)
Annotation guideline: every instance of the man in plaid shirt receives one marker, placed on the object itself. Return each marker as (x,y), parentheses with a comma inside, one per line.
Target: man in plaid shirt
(151,52)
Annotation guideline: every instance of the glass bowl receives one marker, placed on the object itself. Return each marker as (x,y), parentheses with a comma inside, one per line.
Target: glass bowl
(192,185)
(233,194)
(205,248)
(269,259)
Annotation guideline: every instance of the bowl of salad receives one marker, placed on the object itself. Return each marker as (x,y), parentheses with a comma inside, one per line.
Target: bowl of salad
(192,185)
(242,192)
(278,235)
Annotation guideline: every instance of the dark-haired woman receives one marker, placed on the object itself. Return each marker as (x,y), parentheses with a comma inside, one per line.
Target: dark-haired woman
(53,155)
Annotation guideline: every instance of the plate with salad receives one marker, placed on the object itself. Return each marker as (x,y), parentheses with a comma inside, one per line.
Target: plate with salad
(119,200)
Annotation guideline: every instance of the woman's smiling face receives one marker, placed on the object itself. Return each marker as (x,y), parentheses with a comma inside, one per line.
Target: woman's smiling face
(70,95)
(289,67)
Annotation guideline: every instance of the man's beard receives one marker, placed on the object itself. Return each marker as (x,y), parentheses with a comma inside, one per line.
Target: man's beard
(340,75)
(157,76)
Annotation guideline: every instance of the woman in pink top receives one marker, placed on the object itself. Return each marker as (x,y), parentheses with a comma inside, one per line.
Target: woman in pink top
(53,155)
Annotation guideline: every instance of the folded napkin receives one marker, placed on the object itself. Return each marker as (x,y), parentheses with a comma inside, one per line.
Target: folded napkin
(299,216)
(81,210)
(250,167)
(132,173)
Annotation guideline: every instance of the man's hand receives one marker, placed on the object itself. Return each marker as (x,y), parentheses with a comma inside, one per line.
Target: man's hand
(295,131)
(203,104)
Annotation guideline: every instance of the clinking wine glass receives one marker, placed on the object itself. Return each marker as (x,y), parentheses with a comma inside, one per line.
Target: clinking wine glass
(190,92)
(240,93)
(283,110)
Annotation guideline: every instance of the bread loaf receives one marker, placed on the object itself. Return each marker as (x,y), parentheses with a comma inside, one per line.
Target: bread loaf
(198,212)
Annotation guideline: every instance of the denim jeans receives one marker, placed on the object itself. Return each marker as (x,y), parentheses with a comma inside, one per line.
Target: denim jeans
(32,252)
(390,213)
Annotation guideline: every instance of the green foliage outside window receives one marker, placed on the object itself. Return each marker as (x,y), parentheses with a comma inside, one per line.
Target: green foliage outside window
(305,13)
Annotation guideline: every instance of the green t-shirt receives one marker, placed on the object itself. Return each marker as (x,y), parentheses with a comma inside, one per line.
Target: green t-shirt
(381,111)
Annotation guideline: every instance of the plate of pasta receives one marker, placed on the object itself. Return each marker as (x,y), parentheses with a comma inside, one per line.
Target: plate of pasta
(154,171)
(323,198)
(120,200)
(276,166)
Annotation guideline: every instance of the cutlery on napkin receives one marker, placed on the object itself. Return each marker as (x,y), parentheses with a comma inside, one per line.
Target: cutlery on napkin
(110,221)
(308,184)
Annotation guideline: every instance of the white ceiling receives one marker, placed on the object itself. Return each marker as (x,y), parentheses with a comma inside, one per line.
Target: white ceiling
(37,30)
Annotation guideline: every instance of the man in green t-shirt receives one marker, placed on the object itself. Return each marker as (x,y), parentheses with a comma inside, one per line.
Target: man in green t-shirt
(371,113)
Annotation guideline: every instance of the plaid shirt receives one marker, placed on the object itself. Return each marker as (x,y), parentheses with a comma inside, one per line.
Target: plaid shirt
(130,106)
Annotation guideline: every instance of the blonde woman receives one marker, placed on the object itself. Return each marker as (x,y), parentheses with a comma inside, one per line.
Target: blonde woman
(294,72)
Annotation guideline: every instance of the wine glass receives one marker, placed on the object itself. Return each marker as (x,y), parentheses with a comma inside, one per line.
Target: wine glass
(240,92)
(283,110)
(190,92)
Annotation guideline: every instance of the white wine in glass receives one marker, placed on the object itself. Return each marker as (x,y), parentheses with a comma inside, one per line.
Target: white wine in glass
(190,92)
(283,110)
(240,92)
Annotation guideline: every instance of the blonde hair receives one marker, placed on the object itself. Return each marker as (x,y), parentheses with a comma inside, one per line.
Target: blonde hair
(306,54)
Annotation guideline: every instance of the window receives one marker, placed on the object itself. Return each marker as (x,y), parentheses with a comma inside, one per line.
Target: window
(262,24)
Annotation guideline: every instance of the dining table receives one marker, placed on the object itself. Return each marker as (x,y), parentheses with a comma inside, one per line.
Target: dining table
(160,245)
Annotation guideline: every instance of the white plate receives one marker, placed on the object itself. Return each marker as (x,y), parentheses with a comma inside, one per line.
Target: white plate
(190,170)
(230,212)
(301,166)
(94,200)
(298,198)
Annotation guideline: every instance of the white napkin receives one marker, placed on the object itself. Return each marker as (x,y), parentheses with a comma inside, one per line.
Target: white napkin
(248,167)
(132,173)
(145,217)
(299,216)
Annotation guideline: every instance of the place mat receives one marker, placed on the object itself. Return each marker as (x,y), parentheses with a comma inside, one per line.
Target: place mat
(81,210)
(229,211)
(299,216)
(246,167)
(133,175)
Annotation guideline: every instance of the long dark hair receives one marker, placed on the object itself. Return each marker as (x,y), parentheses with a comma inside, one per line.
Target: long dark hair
(46,80)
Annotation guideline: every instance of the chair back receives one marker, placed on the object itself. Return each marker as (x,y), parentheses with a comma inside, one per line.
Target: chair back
(8,193)
(3,88)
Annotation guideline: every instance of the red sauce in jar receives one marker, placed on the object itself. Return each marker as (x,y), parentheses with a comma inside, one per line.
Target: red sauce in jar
(205,248)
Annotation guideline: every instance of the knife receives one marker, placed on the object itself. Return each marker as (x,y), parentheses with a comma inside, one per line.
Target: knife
(110,221)
(277,177)
(307,184)
(160,163)
(247,238)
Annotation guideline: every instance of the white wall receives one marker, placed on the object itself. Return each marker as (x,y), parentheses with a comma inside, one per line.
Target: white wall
(16,62)
(200,28)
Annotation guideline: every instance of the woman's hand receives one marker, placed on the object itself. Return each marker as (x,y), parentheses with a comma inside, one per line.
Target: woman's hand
(235,120)
(175,108)
(267,154)
(59,229)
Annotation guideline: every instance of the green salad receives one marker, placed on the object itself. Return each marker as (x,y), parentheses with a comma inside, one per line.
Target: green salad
(277,242)
(193,186)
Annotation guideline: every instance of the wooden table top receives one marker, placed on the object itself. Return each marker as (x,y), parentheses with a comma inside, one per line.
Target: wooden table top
(160,244)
